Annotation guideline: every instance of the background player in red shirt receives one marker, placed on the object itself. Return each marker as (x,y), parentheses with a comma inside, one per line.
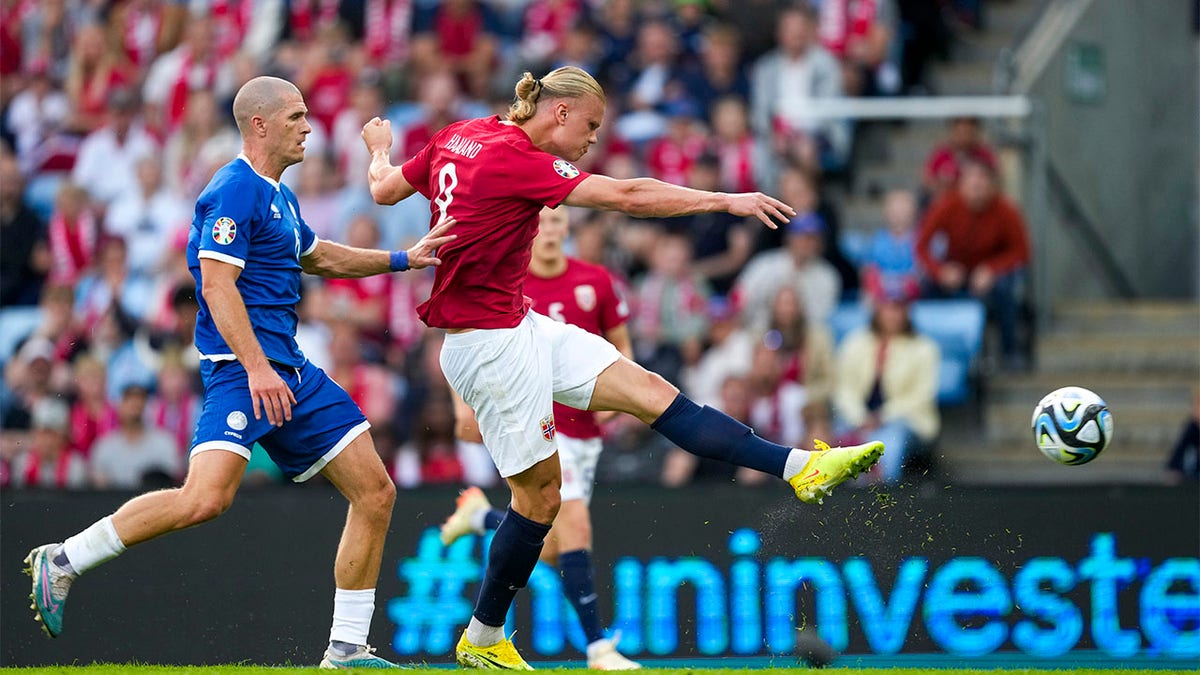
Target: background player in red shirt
(509,364)
(585,295)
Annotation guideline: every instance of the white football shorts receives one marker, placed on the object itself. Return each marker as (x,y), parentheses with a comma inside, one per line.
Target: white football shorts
(512,376)
(578,457)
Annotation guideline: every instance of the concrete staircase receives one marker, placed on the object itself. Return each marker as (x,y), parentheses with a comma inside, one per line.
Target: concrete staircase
(1142,358)
(893,157)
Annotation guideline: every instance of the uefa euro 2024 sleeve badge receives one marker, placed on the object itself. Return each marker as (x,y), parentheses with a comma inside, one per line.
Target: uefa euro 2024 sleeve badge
(224,231)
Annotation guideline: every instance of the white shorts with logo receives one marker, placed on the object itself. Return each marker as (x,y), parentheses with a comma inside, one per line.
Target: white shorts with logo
(578,457)
(512,376)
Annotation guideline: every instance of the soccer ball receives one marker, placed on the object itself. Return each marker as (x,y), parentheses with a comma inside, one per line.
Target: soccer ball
(1072,425)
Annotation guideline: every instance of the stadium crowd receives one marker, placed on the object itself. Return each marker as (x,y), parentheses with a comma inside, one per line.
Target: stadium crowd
(116,114)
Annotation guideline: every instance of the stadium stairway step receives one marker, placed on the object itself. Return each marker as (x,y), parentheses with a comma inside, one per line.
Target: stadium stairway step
(1143,358)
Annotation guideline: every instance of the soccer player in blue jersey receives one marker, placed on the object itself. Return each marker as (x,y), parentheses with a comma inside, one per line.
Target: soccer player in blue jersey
(247,248)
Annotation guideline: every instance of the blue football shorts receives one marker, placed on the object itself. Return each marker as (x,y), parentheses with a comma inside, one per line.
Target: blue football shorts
(324,419)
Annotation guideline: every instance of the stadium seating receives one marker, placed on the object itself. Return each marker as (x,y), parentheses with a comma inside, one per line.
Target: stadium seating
(956,326)
(16,324)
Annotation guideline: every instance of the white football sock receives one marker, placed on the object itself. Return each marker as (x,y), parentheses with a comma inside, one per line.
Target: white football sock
(482,635)
(352,611)
(96,545)
(796,460)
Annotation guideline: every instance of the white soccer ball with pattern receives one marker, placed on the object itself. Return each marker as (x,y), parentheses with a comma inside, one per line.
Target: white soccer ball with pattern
(1072,425)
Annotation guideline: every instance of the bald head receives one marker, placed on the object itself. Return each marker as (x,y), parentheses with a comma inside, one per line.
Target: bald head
(261,97)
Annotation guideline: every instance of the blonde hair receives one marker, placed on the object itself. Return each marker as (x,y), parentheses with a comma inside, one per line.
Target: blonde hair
(567,82)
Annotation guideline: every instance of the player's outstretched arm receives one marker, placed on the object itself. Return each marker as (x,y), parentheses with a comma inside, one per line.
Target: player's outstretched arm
(650,198)
(387,182)
(269,394)
(333,260)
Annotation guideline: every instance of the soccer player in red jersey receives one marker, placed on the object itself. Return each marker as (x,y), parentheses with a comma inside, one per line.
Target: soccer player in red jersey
(509,363)
(584,295)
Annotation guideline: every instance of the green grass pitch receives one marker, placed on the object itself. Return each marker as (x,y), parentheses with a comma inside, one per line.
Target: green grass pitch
(135,669)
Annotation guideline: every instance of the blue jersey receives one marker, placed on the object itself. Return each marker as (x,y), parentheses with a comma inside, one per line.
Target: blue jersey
(246,219)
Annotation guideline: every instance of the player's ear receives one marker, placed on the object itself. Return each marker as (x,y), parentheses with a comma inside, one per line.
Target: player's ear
(560,112)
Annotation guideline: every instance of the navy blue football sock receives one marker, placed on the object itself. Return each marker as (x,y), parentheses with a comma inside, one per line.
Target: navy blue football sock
(708,432)
(492,519)
(575,567)
(514,553)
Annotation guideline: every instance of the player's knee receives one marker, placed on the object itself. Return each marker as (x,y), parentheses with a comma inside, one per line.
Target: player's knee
(652,395)
(205,507)
(382,498)
(550,498)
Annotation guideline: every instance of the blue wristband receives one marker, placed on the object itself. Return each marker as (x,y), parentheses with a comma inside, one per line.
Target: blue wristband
(399,261)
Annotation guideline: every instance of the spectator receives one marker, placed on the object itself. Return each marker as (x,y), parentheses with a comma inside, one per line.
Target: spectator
(373,387)
(964,142)
(720,74)
(327,76)
(648,86)
(25,255)
(439,99)
(799,265)
(144,28)
(886,385)
(320,198)
(924,36)
(58,324)
(92,414)
(459,41)
(690,20)
(786,81)
(890,260)
(73,234)
(670,157)
(36,115)
(670,314)
(194,64)
(805,352)
(362,302)
(350,155)
(96,69)
(728,354)
(581,48)
(28,377)
(175,406)
(721,243)
(108,157)
(546,26)
(860,34)
(802,190)
(1183,465)
(200,131)
(133,453)
(973,243)
(147,216)
(616,24)
(50,461)
(735,146)
(111,284)
(430,458)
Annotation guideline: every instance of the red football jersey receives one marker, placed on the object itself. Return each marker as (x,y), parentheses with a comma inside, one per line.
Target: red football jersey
(494,181)
(586,296)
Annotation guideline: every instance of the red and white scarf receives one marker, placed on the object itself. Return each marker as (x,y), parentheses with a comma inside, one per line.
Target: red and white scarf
(310,16)
(62,472)
(73,248)
(388,24)
(177,101)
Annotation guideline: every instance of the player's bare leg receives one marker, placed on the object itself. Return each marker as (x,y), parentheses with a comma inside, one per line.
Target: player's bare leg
(212,481)
(707,432)
(358,473)
(515,549)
